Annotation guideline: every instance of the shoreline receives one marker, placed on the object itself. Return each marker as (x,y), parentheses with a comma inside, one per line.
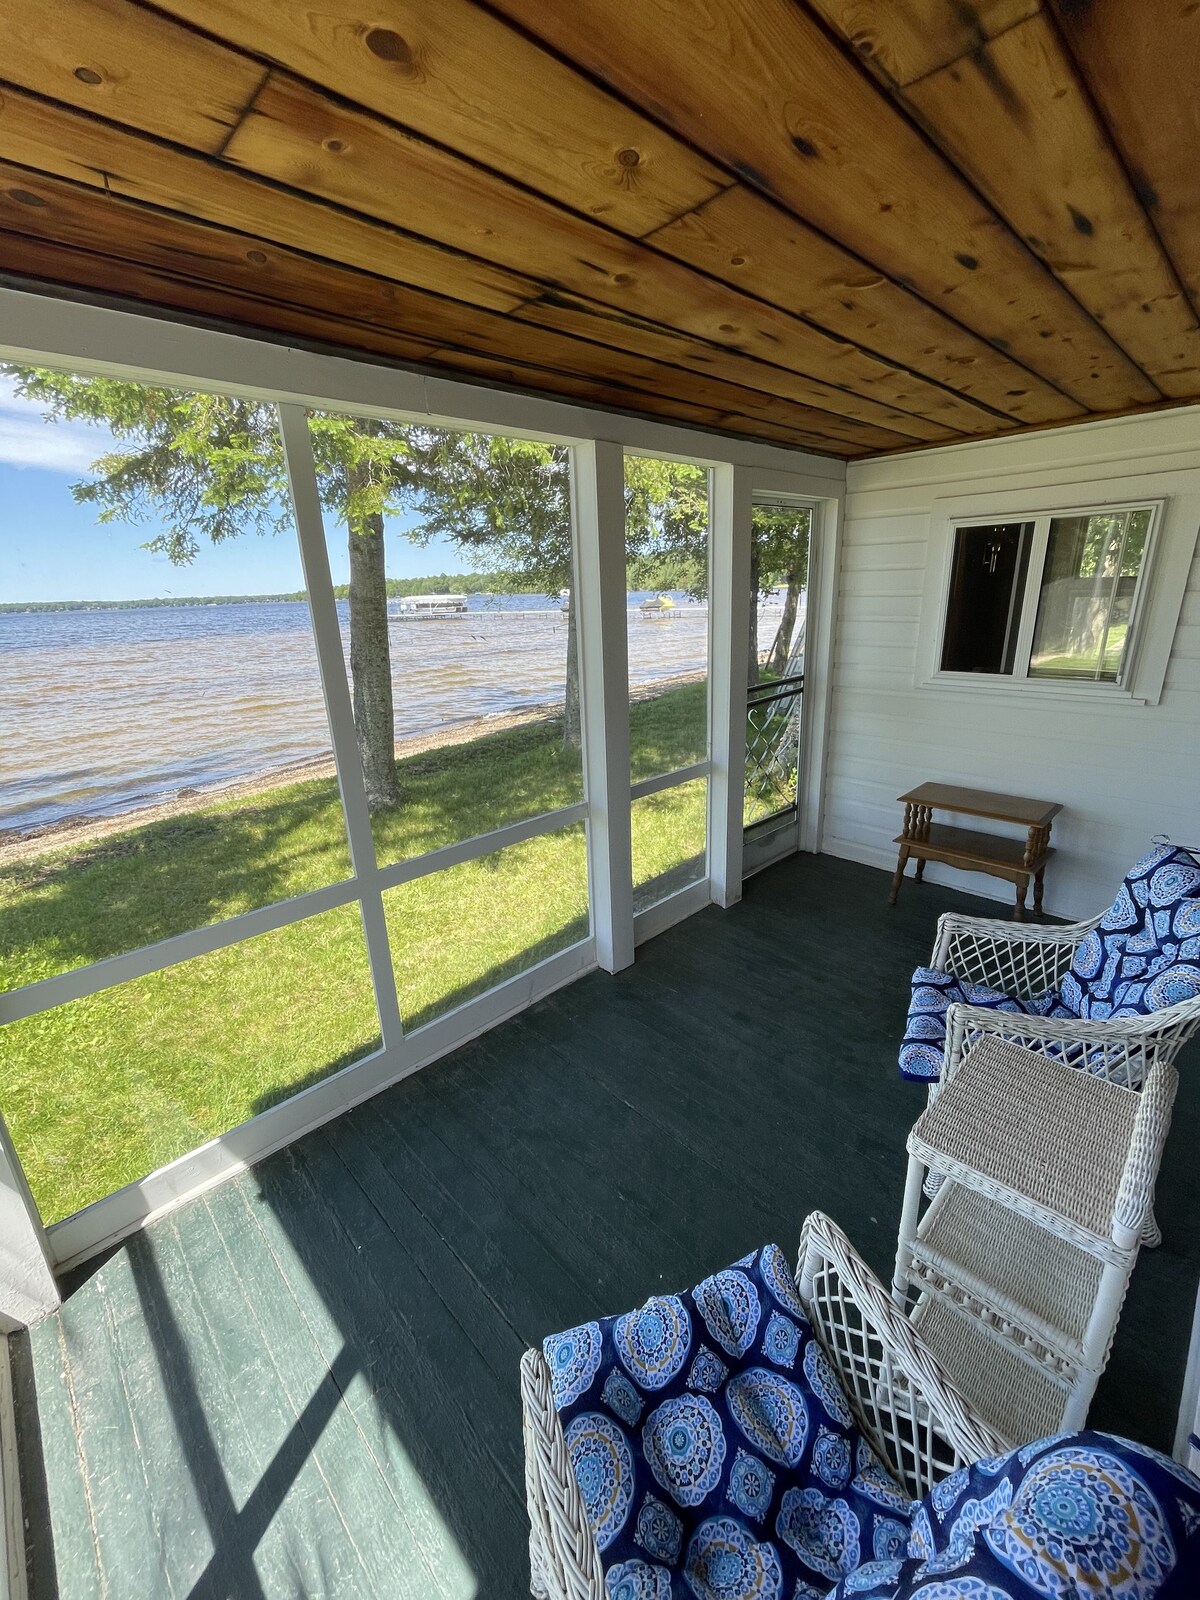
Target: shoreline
(27,844)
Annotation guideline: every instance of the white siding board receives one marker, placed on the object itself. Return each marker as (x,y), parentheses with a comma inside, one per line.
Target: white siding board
(1123,771)
(895,555)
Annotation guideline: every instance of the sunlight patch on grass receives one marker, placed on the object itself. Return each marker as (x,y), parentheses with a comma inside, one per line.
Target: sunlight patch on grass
(458,933)
(103,1090)
(670,841)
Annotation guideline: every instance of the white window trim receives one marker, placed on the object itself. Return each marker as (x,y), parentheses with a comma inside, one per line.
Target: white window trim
(1158,600)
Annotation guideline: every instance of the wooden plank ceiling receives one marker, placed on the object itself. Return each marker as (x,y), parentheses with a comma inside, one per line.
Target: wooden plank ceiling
(846,225)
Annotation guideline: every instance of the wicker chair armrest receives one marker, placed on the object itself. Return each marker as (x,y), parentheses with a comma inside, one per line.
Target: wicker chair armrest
(910,1410)
(1016,957)
(1177,1020)
(564,1560)
(1004,931)
(1122,1049)
(1135,1198)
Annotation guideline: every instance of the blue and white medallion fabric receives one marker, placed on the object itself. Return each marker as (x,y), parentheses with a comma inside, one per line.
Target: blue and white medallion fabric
(1071,1517)
(933,993)
(715,1452)
(1144,956)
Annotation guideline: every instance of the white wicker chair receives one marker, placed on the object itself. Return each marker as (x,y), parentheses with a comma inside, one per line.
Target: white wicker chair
(1023,960)
(915,1418)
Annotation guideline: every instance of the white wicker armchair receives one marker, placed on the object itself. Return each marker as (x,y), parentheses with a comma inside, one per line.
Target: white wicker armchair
(911,1412)
(1023,960)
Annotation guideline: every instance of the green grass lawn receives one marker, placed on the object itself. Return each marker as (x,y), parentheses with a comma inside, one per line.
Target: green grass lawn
(101,1091)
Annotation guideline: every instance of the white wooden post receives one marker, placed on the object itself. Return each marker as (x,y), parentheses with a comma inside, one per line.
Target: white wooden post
(598,493)
(28,1291)
(314,557)
(729,648)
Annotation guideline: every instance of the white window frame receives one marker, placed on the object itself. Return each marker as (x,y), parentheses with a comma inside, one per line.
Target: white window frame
(81,338)
(1158,596)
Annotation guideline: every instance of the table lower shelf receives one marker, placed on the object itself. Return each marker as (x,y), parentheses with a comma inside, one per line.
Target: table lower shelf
(980,852)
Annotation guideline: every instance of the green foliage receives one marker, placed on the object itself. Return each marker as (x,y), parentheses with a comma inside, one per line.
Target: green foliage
(781,540)
(435,583)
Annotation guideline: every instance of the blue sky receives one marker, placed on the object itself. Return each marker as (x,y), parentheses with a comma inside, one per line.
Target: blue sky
(53,549)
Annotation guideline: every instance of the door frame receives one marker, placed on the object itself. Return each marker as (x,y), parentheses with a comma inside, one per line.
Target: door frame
(804,833)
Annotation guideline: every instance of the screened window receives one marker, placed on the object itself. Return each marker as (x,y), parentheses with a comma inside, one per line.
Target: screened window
(1049,597)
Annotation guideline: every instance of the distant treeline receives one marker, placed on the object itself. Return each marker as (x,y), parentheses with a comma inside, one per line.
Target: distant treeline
(644,574)
(438,583)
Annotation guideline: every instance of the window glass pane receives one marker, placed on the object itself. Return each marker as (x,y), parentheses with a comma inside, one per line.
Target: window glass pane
(778,617)
(666,549)
(461,931)
(99,1092)
(166,756)
(1086,599)
(670,841)
(987,586)
(451,555)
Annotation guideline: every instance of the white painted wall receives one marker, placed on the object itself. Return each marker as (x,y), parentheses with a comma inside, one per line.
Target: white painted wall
(1123,771)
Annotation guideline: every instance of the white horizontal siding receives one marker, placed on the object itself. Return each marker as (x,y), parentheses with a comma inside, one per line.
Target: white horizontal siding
(1122,771)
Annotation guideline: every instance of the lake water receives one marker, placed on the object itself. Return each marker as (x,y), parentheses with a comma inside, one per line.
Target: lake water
(105,711)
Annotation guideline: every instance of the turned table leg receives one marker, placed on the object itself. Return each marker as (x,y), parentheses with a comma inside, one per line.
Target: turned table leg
(919,875)
(1022,890)
(1037,891)
(899,874)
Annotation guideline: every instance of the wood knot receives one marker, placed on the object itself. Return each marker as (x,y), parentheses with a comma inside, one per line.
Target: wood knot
(737,261)
(334,146)
(389,46)
(88,75)
(26,197)
(629,157)
(259,257)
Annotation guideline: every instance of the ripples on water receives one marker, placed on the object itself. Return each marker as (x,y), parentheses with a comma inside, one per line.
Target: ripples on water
(104,711)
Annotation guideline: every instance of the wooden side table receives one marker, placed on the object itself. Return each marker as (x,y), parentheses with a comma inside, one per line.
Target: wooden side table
(1015,859)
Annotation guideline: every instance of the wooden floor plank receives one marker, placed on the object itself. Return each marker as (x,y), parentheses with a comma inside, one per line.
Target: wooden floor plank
(239,1428)
(106,1400)
(627,1135)
(160,1473)
(412,1533)
(457,1423)
(324,1430)
(60,1524)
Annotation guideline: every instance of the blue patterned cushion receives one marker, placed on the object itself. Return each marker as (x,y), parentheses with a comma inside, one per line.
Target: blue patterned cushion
(1146,952)
(933,993)
(716,1453)
(1073,1516)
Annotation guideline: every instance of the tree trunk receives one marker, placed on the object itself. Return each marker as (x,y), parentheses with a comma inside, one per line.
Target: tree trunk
(572,726)
(781,648)
(752,658)
(371,663)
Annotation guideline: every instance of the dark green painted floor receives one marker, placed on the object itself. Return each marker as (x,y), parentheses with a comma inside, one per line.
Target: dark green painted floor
(306,1383)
